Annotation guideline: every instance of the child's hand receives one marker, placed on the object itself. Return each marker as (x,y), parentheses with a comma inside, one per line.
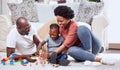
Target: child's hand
(48,55)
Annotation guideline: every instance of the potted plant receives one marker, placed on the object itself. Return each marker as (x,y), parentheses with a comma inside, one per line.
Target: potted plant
(95,0)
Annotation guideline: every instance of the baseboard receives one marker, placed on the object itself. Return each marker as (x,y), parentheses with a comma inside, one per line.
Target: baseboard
(114,46)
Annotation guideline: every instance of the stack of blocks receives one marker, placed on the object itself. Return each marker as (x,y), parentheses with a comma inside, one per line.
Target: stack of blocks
(12,59)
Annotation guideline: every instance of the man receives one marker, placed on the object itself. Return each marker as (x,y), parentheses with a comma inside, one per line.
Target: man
(23,39)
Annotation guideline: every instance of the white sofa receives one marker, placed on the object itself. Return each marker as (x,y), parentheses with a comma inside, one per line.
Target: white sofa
(98,26)
(46,14)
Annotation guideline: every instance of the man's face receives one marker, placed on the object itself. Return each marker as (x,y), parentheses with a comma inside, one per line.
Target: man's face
(24,28)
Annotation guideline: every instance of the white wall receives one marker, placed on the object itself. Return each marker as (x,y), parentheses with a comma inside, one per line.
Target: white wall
(0,6)
(113,14)
(5,7)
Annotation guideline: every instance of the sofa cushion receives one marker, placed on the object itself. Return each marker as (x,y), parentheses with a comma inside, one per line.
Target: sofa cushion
(87,10)
(44,30)
(25,9)
(99,28)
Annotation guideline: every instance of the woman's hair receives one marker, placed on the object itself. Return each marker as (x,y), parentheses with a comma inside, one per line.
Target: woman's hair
(54,25)
(64,11)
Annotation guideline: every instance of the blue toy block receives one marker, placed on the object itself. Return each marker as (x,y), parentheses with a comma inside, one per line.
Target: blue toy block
(24,62)
(11,63)
(3,63)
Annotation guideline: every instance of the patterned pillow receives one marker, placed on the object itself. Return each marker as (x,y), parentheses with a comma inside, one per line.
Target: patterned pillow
(87,10)
(25,9)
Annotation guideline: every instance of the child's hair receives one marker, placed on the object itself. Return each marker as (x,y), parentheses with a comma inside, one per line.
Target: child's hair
(54,25)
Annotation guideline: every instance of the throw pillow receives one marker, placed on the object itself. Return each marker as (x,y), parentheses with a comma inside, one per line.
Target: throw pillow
(25,9)
(87,10)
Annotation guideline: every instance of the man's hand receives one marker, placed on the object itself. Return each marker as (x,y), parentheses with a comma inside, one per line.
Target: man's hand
(28,58)
(10,51)
(37,53)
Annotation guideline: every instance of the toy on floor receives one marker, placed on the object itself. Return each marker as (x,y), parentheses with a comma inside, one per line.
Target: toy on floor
(12,61)
(11,58)
(24,62)
(42,57)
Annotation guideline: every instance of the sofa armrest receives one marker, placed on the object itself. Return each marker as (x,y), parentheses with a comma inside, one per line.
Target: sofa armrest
(99,20)
(5,26)
(6,19)
(99,28)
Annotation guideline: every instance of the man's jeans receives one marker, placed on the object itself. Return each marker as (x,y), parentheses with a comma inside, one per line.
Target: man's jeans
(89,42)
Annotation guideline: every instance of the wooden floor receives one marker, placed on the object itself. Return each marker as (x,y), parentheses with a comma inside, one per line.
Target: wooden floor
(113,51)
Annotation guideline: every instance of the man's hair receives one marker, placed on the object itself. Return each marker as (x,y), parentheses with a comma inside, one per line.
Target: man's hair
(64,11)
(54,25)
(18,21)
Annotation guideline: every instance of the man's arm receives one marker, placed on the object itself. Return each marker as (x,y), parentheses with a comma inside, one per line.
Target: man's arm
(41,44)
(12,50)
(36,40)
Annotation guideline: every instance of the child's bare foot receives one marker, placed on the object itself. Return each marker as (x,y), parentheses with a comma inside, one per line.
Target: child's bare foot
(55,65)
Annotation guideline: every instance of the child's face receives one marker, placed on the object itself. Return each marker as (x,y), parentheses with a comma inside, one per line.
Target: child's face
(54,33)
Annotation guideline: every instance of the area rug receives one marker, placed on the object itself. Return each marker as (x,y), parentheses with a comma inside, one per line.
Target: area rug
(72,66)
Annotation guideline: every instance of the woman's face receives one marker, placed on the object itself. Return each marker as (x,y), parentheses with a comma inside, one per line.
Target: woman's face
(62,21)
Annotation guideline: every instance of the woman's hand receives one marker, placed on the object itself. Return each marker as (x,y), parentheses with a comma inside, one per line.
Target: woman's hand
(66,51)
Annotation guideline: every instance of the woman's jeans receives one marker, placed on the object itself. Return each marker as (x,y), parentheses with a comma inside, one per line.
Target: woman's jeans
(89,42)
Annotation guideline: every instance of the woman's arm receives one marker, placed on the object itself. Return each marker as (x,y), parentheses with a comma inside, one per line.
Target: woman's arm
(71,36)
(60,49)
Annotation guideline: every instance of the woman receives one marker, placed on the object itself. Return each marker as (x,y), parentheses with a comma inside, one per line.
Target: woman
(80,42)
